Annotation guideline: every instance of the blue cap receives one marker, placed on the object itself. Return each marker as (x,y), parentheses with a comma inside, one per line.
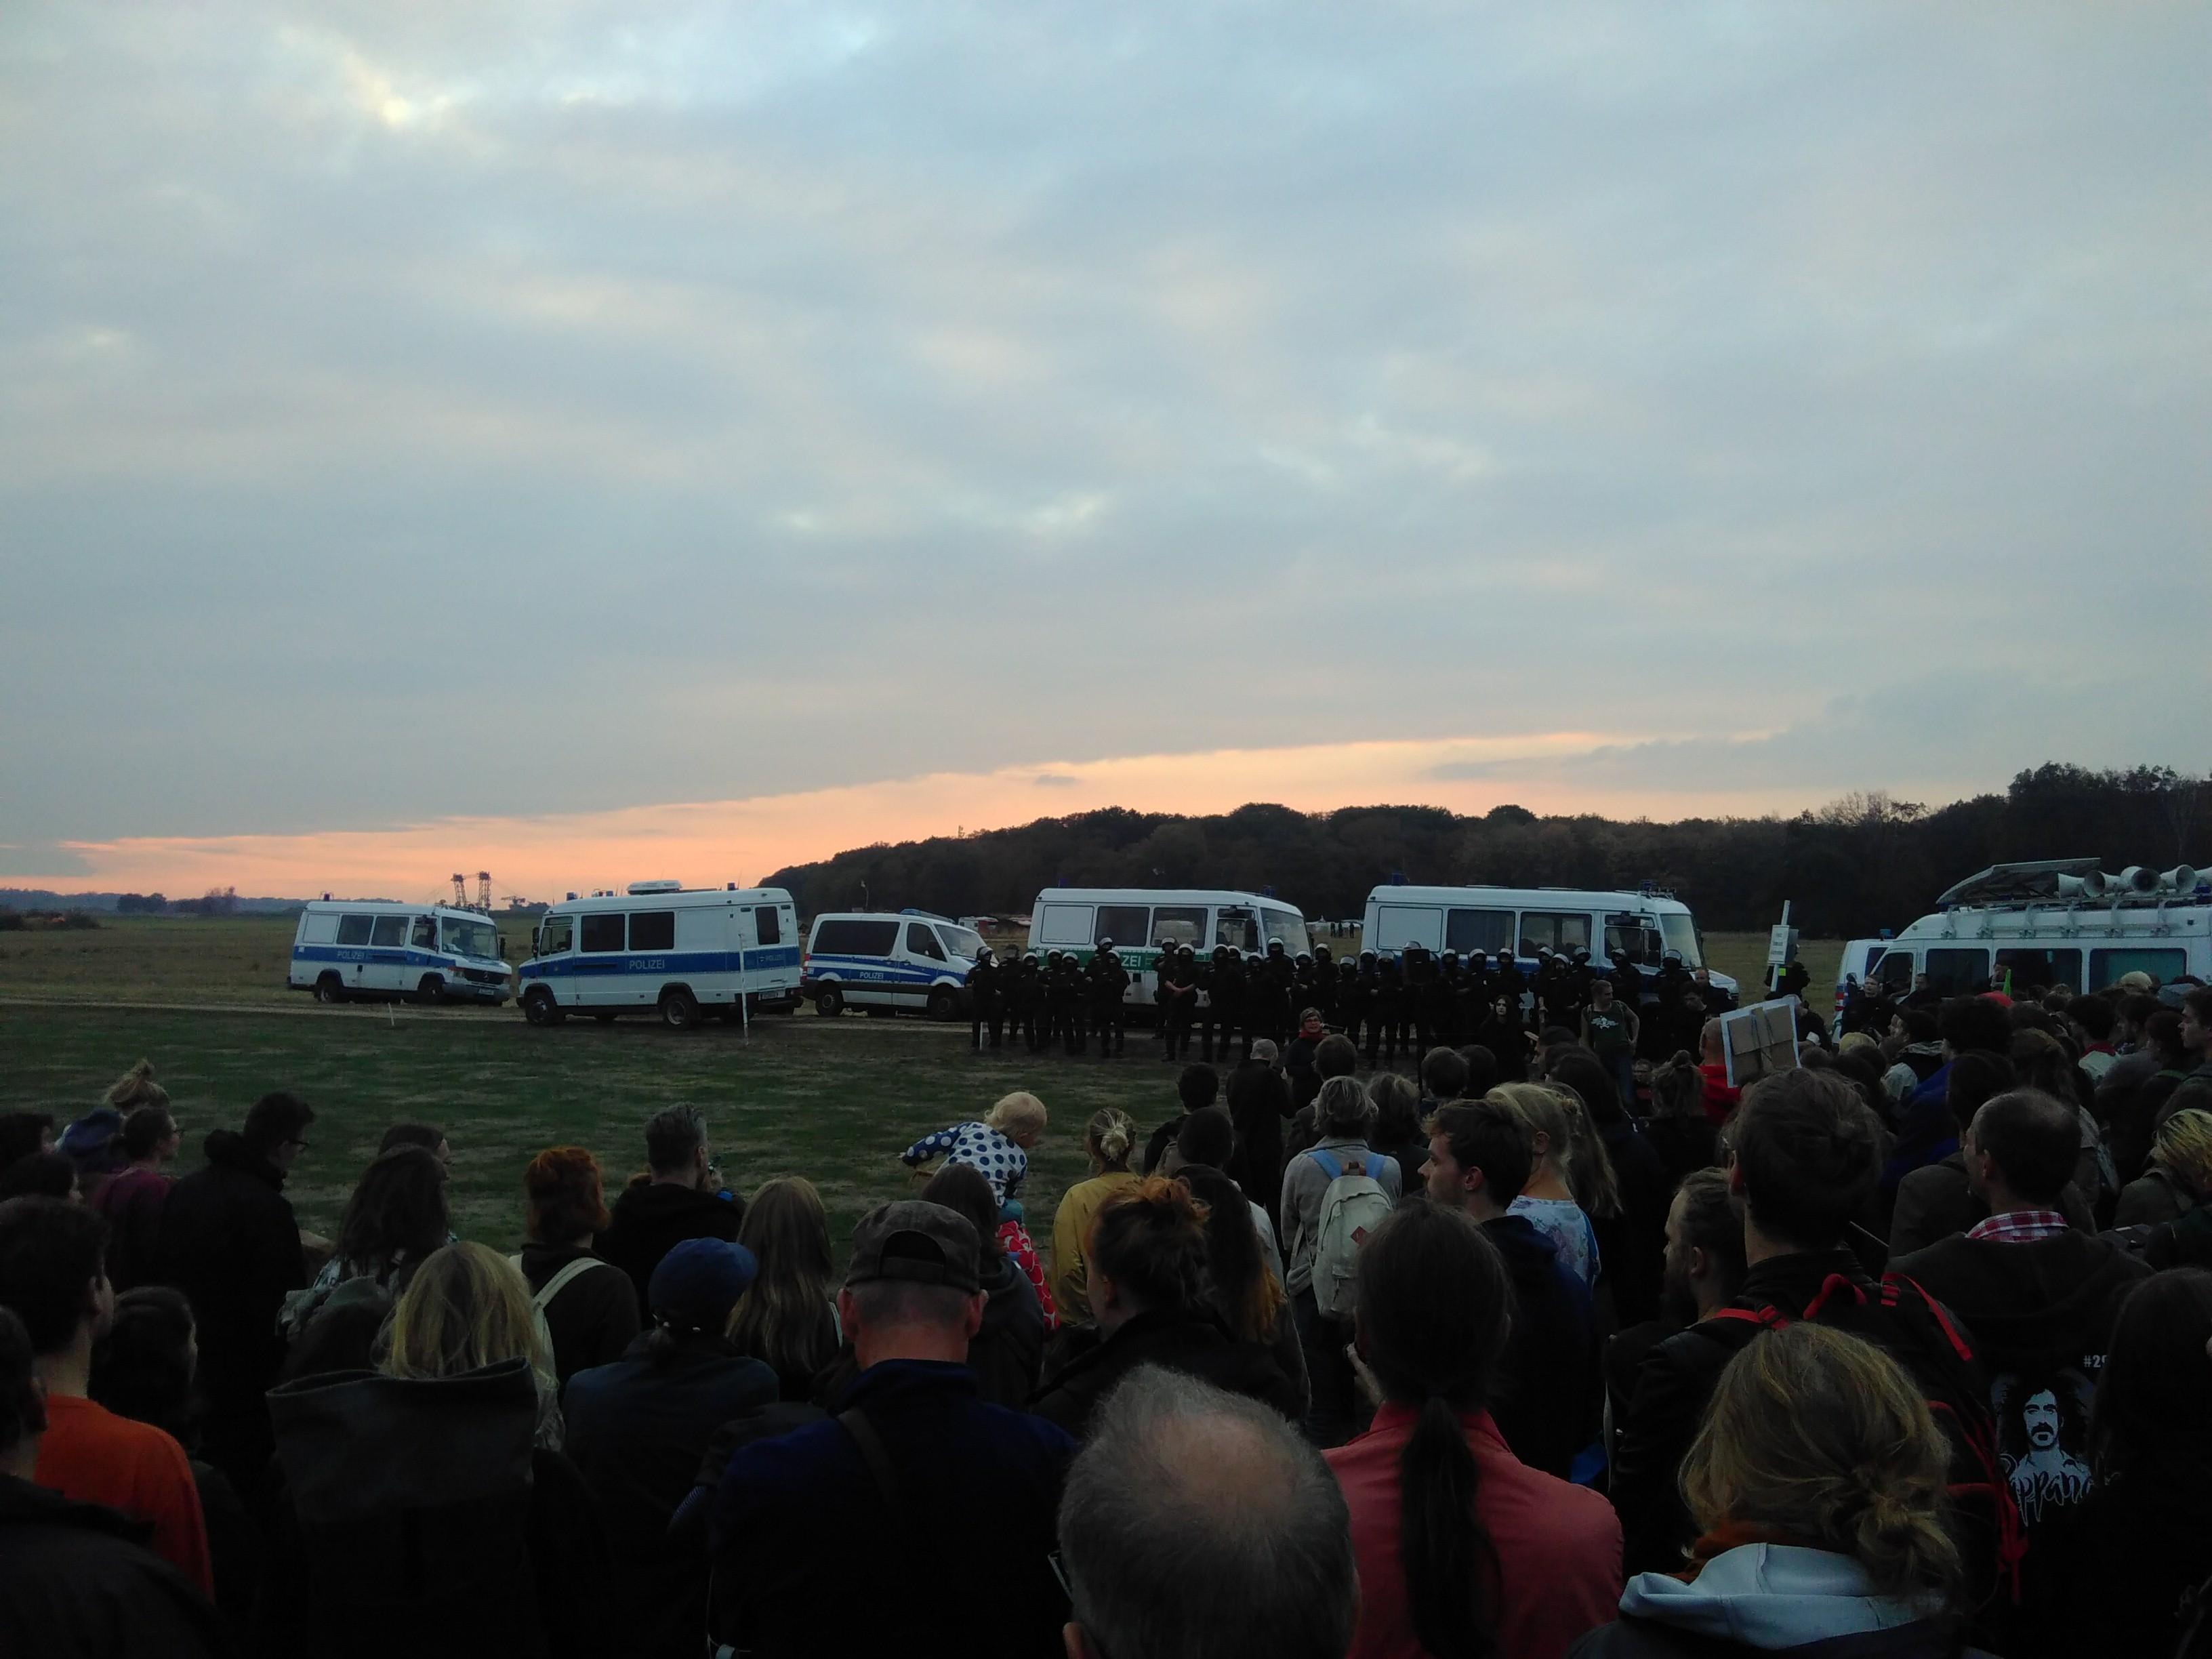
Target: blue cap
(701,1280)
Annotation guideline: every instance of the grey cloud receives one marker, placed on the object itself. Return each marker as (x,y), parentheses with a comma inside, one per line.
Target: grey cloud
(526,409)
(1055,781)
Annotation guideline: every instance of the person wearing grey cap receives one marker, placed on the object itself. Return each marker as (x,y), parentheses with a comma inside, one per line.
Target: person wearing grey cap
(950,1500)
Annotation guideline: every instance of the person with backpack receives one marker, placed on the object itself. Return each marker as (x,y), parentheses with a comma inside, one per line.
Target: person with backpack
(395,1218)
(1806,1156)
(2042,1298)
(590,1311)
(1818,1479)
(1333,1193)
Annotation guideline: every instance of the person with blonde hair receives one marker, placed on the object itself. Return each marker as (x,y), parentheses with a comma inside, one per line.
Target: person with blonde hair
(1817,1484)
(997,1144)
(468,1307)
(1552,1200)
(2177,1177)
(788,1318)
(1110,1138)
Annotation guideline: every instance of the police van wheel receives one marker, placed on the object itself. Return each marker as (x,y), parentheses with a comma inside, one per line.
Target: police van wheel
(679,1009)
(539,1008)
(943,1004)
(829,1003)
(330,988)
(432,989)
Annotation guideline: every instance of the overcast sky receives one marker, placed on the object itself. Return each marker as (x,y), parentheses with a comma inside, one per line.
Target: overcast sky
(574,439)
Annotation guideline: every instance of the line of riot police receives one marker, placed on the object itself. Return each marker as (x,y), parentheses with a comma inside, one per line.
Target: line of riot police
(1388,1002)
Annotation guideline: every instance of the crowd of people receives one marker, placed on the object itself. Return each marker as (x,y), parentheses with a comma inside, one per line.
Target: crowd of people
(1903,1351)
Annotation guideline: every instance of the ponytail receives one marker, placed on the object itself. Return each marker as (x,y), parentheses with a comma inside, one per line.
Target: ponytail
(1904,1547)
(1434,1311)
(1451,1566)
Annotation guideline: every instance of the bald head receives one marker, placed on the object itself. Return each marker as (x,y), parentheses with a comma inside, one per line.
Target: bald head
(2021,1149)
(1198,1524)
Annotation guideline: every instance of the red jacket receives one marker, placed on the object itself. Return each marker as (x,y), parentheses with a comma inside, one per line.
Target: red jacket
(1558,1546)
(1720,1098)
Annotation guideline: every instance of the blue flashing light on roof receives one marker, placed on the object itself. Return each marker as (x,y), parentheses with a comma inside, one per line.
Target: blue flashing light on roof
(1397,877)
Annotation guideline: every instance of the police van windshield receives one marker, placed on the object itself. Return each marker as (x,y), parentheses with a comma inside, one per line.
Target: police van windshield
(1682,934)
(1284,927)
(961,942)
(471,938)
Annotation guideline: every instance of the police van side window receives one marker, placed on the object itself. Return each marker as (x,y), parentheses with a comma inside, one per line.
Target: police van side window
(1562,931)
(391,932)
(355,930)
(653,930)
(602,933)
(558,933)
(766,930)
(2105,967)
(1486,931)
(426,933)
(1125,924)
(855,938)
(1955,972)
(923,943)
(1237,929)
(1178,924)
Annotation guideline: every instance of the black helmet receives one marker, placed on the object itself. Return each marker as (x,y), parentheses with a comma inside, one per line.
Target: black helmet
(1274,947)
(1304,960)
(982,953)
(1105,945)
(1367,956)
(1347,969)
(1185,952)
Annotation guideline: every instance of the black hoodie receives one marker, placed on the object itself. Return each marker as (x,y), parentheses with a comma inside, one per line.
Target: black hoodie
(230,1242)
(653,1217)
(1193,1343)
(81,1584)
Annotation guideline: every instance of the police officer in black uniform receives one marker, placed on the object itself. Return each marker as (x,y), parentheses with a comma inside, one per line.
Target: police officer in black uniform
(1324,986)
(1020,978)
(1392,994)
(1067,995)
(1179,986)
(1109,983)
(1227,993)
(1444,1002)
(985,1007)
(1351,999)
(1279,975)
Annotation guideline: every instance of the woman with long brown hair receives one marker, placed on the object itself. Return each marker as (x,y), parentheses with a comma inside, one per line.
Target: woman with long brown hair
(788,1319)
(1464,1551)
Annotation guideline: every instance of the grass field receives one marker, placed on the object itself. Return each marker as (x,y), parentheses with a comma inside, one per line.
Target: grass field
(835,1101)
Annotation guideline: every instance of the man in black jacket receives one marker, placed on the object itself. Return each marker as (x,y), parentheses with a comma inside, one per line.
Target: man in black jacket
(684,1199)
(987,1007)
(229,1242)
(1805,1158)
(1259,1101)
(1547,1402)
(2041,1297)
(76,1580)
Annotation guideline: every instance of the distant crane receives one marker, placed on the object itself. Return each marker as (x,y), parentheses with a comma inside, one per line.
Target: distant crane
(484,891)
(461,891)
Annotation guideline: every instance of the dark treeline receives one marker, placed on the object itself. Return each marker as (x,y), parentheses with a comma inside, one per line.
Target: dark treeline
(1856,865)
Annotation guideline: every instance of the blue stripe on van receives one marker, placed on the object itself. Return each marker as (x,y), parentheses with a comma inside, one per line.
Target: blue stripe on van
(881,970)
(664,962)
(383,958)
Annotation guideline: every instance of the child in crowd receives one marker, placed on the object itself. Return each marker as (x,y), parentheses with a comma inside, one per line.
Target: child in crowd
(998,1146)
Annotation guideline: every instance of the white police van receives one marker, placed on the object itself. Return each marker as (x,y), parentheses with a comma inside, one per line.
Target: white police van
(662,948)
(1074,919)
(344,949)
(1642,926)
(867,959)
(2054,921)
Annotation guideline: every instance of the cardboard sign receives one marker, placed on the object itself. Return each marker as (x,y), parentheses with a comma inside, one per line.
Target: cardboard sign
(1759,1039)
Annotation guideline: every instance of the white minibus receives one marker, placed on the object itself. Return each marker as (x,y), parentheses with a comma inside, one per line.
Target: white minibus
(1642,926)
(2056,921)
(374,949)
(1075,920)
(662,948)
(866,959)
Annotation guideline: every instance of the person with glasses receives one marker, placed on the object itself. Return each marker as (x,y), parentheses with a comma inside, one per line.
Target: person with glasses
(230,1243)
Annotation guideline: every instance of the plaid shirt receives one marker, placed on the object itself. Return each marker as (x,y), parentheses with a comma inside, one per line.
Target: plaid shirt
(2019,1226)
